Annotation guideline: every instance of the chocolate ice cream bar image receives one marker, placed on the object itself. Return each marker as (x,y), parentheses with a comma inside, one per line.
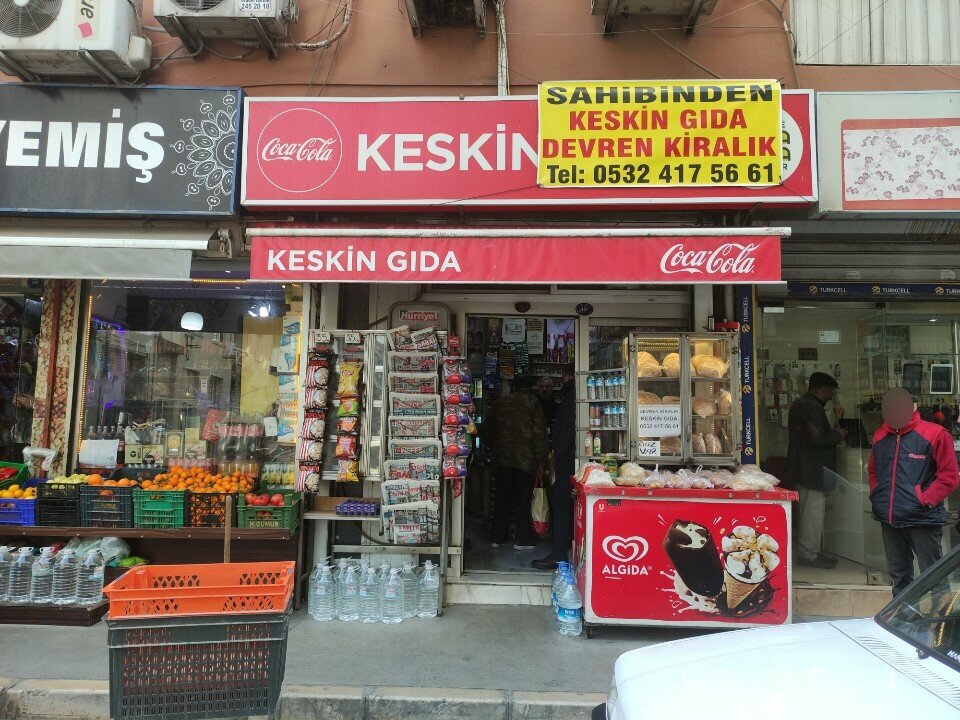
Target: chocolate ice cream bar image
(694,554)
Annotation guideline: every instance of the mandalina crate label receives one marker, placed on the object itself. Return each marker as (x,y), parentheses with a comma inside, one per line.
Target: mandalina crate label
(672,134)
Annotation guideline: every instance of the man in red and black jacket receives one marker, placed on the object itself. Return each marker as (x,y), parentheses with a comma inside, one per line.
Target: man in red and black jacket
(913,468)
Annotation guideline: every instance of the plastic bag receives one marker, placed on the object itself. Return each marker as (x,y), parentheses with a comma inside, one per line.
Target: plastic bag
(540,508)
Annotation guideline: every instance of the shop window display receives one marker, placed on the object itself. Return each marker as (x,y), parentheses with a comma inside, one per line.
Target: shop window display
(868,350)
(19,327)
(201,374)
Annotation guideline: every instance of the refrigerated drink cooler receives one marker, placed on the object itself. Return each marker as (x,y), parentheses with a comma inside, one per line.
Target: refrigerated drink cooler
(683,558)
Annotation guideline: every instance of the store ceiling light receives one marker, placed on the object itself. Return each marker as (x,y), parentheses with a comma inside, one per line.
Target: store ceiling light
(191,321)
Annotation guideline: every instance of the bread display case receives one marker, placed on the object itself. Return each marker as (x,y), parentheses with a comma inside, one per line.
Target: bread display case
(683,387)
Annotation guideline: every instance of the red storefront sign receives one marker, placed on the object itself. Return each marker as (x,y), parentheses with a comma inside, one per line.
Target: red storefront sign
(697,562)
(425,153)
(523,258)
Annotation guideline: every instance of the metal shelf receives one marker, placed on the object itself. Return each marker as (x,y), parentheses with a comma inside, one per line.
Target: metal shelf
(618,401)
(395,549)
(185,533)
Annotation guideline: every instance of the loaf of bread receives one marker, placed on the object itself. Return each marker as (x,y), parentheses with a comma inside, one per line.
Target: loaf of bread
(708,366)
(724,402)
(704,407)
(713,444)
(671,365)
(699,446)
(670,446)
(670,400)
(647,365)
(648,398)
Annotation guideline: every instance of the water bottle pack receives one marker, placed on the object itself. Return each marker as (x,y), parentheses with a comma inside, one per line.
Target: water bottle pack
(353,591)
(52,578)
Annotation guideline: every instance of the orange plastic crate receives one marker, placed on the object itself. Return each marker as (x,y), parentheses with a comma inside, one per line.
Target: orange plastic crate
(215,589)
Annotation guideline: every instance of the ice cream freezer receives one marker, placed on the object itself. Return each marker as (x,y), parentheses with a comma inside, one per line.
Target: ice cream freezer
(676,557)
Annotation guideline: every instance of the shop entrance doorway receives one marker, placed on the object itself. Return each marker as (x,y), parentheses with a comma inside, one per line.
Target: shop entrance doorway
(509,354)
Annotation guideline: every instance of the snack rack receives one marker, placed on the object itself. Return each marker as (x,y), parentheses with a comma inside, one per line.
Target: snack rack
(684,398)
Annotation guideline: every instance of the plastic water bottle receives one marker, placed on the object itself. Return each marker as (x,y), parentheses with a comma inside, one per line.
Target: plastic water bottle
(591,388)
(391,598)
(570,609)
(66,571)
(383,572)
(21,575)
(411,596)
(557,585)
(90,580)
(348,593)
(6,560)
(370,597)
(322,604)
(41,584)
(312,584)
(428,591)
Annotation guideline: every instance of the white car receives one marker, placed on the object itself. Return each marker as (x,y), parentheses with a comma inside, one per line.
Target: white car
(904,664)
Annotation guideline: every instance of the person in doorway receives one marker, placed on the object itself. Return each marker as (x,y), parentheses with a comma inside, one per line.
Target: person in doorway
(811,464)
(912,469)
(563,440)
(547,402)
(517,432)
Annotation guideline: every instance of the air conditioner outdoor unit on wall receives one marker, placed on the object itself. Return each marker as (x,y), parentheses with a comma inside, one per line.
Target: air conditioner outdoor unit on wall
(193,20)
(43,39)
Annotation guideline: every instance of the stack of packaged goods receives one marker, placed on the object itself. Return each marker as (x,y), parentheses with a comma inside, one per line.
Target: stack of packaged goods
(349,407)
(313,431)
(410,493)
(459,412)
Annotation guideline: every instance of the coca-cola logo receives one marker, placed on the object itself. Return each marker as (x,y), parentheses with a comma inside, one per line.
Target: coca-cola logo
(727,259)
(299,150)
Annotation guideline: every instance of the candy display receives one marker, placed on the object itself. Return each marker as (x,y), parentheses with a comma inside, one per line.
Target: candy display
(357,508)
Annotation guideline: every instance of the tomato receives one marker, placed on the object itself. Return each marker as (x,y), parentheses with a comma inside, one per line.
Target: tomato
(261,500)
(250,499)
(277,500)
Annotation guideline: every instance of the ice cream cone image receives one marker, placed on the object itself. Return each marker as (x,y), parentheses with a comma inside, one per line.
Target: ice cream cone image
(748,560)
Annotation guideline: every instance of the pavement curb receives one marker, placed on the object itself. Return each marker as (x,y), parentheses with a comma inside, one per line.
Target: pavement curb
(89,700)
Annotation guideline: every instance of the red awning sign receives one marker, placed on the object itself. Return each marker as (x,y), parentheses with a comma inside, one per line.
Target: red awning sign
(544,259)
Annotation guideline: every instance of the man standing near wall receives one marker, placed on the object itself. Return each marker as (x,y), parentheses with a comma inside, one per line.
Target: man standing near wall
(912,469)
(812,449)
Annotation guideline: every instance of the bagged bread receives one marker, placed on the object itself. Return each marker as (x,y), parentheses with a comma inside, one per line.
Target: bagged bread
(708,366)
(630,475)
(648,398)
(671,365)
(713,444)
(704,407)
(670,446)
(647,365)
(699,445)
(670,400)
(724,402)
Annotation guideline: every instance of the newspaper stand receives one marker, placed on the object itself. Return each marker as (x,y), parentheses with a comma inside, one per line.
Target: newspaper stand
(199,641)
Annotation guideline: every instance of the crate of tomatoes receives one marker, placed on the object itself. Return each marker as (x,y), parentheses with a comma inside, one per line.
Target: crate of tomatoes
(276,509)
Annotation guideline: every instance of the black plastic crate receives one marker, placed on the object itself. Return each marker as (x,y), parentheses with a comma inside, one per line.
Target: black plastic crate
(58,505)
(196,667)
(106,507)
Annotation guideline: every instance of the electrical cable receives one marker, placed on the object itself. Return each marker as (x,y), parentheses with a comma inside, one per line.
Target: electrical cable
(684,55)
(344,24)
(791,38)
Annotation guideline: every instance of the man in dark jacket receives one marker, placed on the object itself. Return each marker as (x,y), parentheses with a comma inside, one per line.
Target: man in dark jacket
(517,431)
(912,469)
(563,440)
(812,448)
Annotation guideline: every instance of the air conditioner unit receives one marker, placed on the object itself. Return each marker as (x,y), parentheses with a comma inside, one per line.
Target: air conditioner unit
(42,39)
(689,10)
(193,20)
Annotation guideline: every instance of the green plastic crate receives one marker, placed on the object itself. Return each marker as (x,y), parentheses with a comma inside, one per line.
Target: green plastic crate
(271,516)
(159,508)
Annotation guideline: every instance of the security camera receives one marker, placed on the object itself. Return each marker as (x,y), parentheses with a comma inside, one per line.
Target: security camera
(521,307)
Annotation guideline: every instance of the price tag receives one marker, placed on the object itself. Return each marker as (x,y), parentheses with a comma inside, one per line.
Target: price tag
(352,338)
(648,448)
(322,336)
(658,420)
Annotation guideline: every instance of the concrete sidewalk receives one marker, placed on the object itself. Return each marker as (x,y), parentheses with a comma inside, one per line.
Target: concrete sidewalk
(475,661)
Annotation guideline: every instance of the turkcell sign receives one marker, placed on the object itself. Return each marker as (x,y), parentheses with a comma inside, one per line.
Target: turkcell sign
(430,153)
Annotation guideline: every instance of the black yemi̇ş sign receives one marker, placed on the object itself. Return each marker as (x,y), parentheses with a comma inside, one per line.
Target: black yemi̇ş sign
(123,151)
(675,134)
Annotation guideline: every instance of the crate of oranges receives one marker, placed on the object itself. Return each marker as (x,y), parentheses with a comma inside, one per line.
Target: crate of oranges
(18,504)
(195,496)
(106,503)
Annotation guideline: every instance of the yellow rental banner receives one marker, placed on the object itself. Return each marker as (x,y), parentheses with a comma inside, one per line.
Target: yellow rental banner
(675,133)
